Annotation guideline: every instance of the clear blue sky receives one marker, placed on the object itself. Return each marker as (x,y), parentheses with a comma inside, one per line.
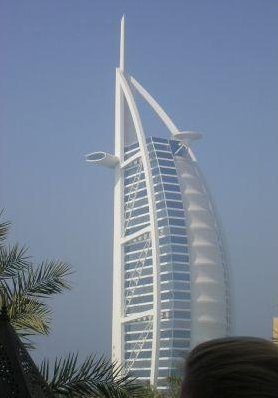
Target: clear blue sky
(211,64)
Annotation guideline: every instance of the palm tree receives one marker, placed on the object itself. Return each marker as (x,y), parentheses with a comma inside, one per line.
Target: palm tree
(24,289)
(95,377)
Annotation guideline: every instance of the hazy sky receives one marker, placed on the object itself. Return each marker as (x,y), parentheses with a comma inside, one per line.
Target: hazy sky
(211,64)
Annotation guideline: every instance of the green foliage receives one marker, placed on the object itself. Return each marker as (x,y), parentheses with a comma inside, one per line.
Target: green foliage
(4,228)
(92,378)
(24,287)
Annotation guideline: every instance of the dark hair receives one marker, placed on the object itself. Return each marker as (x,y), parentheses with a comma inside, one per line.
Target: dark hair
(234,367)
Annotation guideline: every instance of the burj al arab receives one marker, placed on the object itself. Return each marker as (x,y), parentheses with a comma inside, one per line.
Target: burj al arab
(171,286)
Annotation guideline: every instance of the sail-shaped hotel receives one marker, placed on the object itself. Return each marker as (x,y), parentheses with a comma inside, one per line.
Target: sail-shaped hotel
(170,273)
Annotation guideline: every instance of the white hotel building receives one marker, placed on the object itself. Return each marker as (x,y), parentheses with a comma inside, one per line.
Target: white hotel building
(170,279)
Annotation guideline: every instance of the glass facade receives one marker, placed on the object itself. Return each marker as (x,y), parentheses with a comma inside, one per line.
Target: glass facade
(175,285)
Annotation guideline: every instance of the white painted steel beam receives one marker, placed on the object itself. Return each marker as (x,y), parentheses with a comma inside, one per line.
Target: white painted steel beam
(127,162)
(137,315)
(135,235)
(154,230)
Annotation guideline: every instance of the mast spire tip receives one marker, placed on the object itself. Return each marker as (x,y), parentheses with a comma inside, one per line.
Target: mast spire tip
(122,44)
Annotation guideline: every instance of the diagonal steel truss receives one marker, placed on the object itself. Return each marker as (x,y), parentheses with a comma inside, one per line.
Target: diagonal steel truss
(135,277)
(132,194)
(139,345)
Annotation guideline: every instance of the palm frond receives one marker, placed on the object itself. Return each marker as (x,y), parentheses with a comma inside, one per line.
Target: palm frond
(29,316)
(47,279)
(42,282)
(4,228)
(26,340)
(23,293)
(24,287)
(93,378)
(12,260)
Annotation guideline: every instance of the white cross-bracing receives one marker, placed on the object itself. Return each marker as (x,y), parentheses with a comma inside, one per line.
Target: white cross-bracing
(135,277)
(139,344)
(132,194)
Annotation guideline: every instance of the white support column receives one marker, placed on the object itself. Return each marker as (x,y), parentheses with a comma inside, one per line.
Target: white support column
(118,273)
(153,223)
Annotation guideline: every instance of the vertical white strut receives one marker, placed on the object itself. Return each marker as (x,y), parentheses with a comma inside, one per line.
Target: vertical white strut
(153,224)
(122,45)
(118,273)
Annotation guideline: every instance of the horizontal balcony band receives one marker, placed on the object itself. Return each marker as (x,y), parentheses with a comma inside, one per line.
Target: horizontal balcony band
(200,262)
(136,234)
(137,305)
(142,224)
(197,225)
(137,315)
(132,183)
(139,350)
(132,287)
(131,159)
(135,368)
(168,290)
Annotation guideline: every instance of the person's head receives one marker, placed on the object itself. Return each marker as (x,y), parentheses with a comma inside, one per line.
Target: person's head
(233,367)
